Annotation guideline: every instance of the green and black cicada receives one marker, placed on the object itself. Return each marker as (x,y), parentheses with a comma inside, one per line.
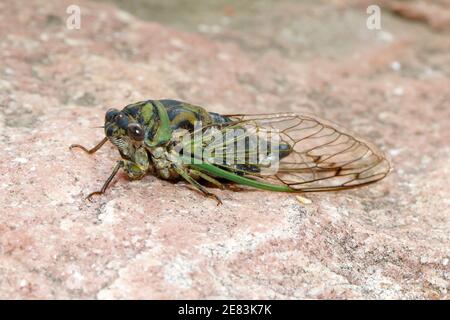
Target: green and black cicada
(283,152)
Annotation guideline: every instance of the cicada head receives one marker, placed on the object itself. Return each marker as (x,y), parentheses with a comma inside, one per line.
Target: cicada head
(127,134)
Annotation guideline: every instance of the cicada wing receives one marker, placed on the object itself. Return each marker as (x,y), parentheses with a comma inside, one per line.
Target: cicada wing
(301,151)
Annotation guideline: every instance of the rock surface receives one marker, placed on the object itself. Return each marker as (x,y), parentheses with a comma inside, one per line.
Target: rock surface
(153,239)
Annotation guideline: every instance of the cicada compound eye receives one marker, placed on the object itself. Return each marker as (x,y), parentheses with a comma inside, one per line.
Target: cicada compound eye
(135,131)
(111,114)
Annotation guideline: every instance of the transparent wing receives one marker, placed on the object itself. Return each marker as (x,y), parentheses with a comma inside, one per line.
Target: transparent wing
(301,151)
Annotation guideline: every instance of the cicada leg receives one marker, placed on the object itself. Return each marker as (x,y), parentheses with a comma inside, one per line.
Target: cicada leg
(119,165)
(197,185)
(230,186)
(90,151)
(204,176)
(234,187)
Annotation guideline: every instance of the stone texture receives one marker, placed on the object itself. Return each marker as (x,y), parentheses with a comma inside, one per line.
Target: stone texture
(436,14)
(155,239)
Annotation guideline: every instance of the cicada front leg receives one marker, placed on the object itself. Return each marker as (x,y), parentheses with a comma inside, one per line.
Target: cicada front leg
(119,165)
(89,151)
(134,171)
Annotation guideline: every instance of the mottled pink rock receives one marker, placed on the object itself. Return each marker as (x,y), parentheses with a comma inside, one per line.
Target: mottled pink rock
(159,240)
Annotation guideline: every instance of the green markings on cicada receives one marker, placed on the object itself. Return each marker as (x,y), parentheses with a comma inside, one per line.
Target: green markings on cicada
(164,132)
(184,119)
(147,112)
(199,113)
(186,116)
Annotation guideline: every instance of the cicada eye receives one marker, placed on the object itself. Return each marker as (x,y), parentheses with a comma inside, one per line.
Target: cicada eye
(121,120)
(110,114)
(135,131)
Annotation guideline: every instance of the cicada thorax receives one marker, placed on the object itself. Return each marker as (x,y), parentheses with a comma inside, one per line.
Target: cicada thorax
(181,115)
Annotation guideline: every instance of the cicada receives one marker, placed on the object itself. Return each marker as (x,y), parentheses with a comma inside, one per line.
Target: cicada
(284,152)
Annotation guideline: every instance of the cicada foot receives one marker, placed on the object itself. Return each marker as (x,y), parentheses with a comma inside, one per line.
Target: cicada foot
(119,165)
(211,195)
(215,197)
(95,193)
(92,150)
(205,192)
